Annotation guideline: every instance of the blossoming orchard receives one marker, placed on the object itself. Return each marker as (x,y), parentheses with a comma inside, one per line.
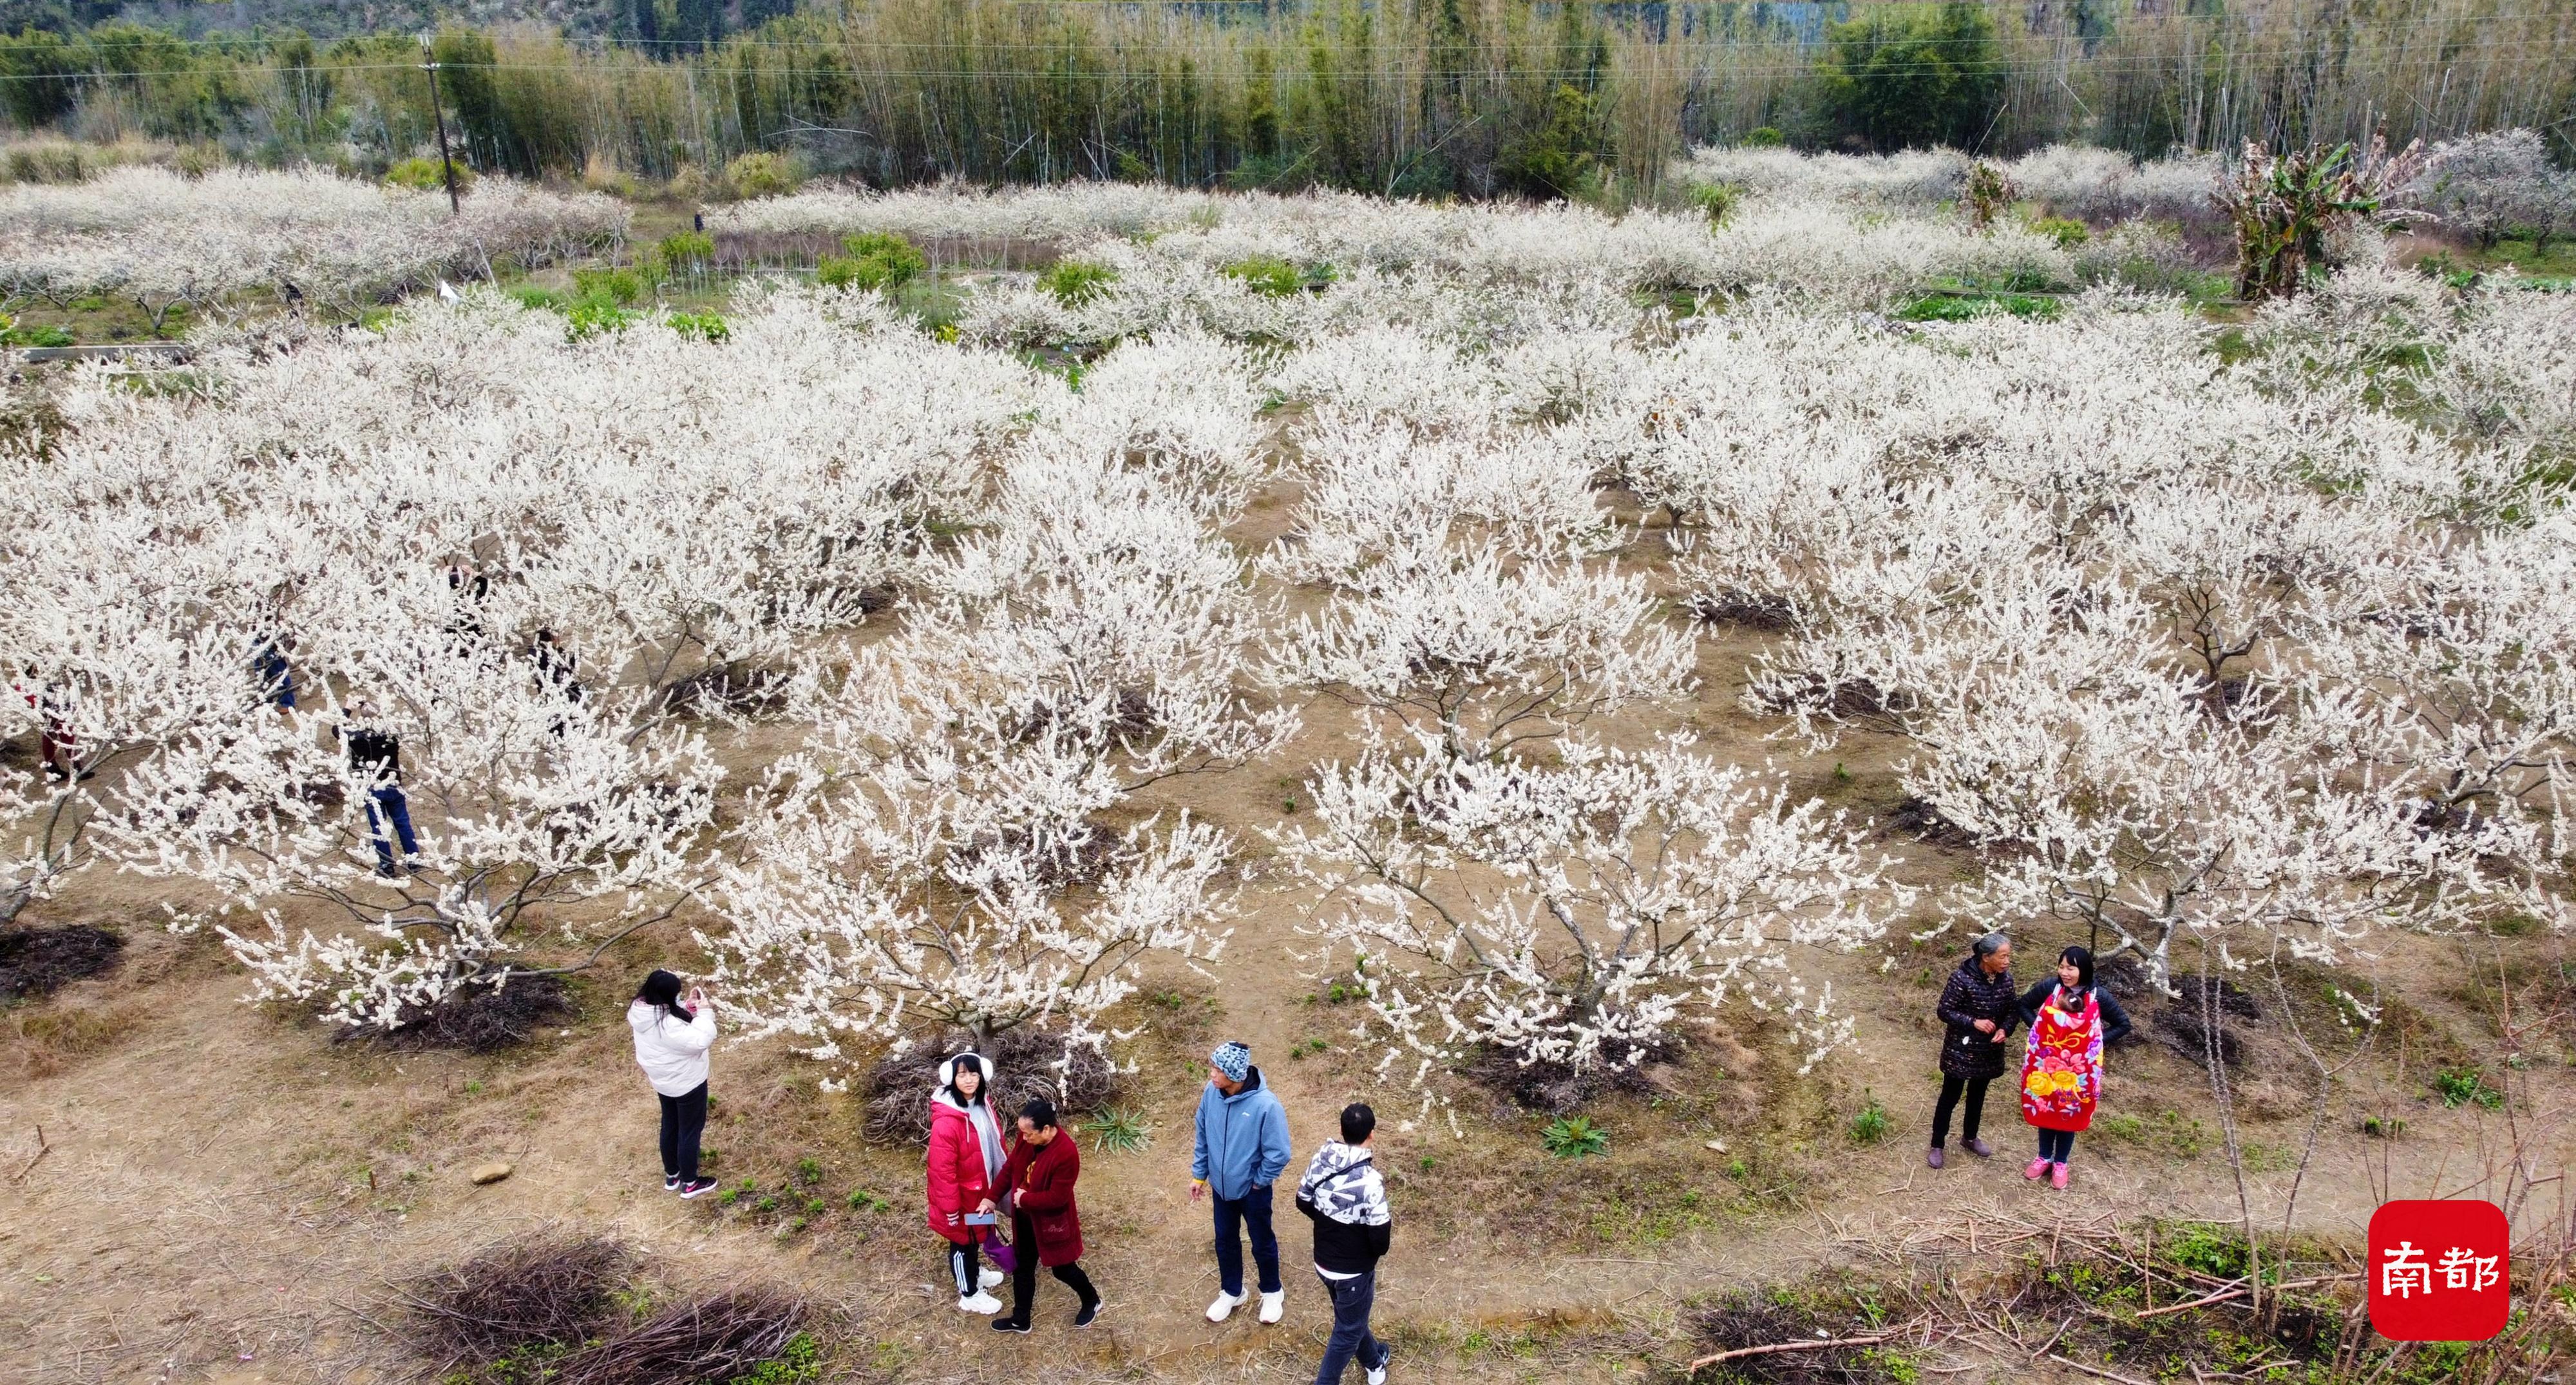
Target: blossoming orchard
(1581,681)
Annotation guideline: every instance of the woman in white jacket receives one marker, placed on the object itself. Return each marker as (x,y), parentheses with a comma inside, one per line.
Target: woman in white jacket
(671,1042)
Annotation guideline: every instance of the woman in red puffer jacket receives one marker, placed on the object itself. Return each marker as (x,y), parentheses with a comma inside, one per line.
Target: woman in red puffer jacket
(965,1174)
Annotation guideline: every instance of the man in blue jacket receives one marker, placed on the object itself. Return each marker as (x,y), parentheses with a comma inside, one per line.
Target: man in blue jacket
(1242,1150)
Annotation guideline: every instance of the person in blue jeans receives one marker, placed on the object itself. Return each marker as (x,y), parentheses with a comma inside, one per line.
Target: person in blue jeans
(1346,1200)
(1242,1150)
(375,760)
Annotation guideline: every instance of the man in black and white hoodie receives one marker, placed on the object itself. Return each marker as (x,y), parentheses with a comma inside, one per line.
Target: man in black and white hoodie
(1346,1200)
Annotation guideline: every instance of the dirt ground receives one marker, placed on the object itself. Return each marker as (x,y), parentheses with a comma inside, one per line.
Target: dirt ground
(222,1193)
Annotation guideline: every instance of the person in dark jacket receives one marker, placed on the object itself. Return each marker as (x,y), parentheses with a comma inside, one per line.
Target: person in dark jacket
(1045,1229)
(558,673)
(375,760)
(2071,1021)
(1346,1200)
(1978,1010)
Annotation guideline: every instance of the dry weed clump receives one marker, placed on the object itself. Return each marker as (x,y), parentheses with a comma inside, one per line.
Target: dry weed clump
(713,1337)
(563,1305)
(544,1291)
(1031,1062)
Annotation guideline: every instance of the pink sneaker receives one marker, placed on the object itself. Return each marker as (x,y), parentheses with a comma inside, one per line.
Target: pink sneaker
(2037,1167)
(2057,1179)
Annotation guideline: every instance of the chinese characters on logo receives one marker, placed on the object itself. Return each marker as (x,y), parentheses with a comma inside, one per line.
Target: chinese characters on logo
(2439,1271)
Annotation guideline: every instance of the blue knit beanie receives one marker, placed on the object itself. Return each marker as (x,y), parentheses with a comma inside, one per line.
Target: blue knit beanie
(1233,1058)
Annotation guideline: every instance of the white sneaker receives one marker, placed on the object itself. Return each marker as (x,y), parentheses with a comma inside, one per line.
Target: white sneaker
(1377,1373)
(979,1302)
(1224,1307)
(992,1279)
(1274,1305)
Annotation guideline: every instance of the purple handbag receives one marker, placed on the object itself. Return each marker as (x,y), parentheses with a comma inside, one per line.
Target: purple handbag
(1000,1253)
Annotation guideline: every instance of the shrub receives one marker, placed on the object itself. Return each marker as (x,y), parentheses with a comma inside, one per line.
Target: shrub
(1762,137)
(1267,275)
(1717,201)
(703,326)
(427,175)
(1075,282)
(1574,1137)
(763,175)
(620,286)
(688,252)
(1872,1125)
(1988,193)
(875,260)
(2066,231)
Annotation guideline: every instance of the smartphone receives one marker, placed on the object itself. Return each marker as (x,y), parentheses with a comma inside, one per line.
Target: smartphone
(982,1218)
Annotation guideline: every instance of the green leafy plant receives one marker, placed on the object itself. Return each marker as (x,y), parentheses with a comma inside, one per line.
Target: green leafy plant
(1076,282)
(809,1171)
(2464,1087)
(1574,1137)
(2383,1127)
(1967,307)
(868,1200)
(1267,275)
(1118,1130)
(1762,137)
(593,316)
(2284,206)
(1716,201)
(18,334)
(1872,1125)
(703,326)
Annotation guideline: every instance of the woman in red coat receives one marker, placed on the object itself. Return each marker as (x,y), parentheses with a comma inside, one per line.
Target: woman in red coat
(1045,1229)
(965,1174)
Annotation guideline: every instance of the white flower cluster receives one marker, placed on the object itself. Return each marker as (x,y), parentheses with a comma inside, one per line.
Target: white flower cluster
(161,240)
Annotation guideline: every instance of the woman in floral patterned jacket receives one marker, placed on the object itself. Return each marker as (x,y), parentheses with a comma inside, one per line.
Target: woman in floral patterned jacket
(2070,1019)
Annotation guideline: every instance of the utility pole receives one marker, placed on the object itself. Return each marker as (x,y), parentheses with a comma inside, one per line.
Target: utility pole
(438,111)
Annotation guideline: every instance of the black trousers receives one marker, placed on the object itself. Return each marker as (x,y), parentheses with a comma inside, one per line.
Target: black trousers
(963,1267)
(1951,1089)
(2057,1146)
(1024,1274)
(684,1121)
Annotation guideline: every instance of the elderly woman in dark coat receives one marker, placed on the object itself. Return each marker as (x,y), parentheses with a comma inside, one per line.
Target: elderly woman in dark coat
(1978,1010)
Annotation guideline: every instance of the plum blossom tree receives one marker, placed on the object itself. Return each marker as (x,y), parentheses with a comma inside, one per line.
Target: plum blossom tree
(1579,915)
(1484,653)
(938,891)
(533,812)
